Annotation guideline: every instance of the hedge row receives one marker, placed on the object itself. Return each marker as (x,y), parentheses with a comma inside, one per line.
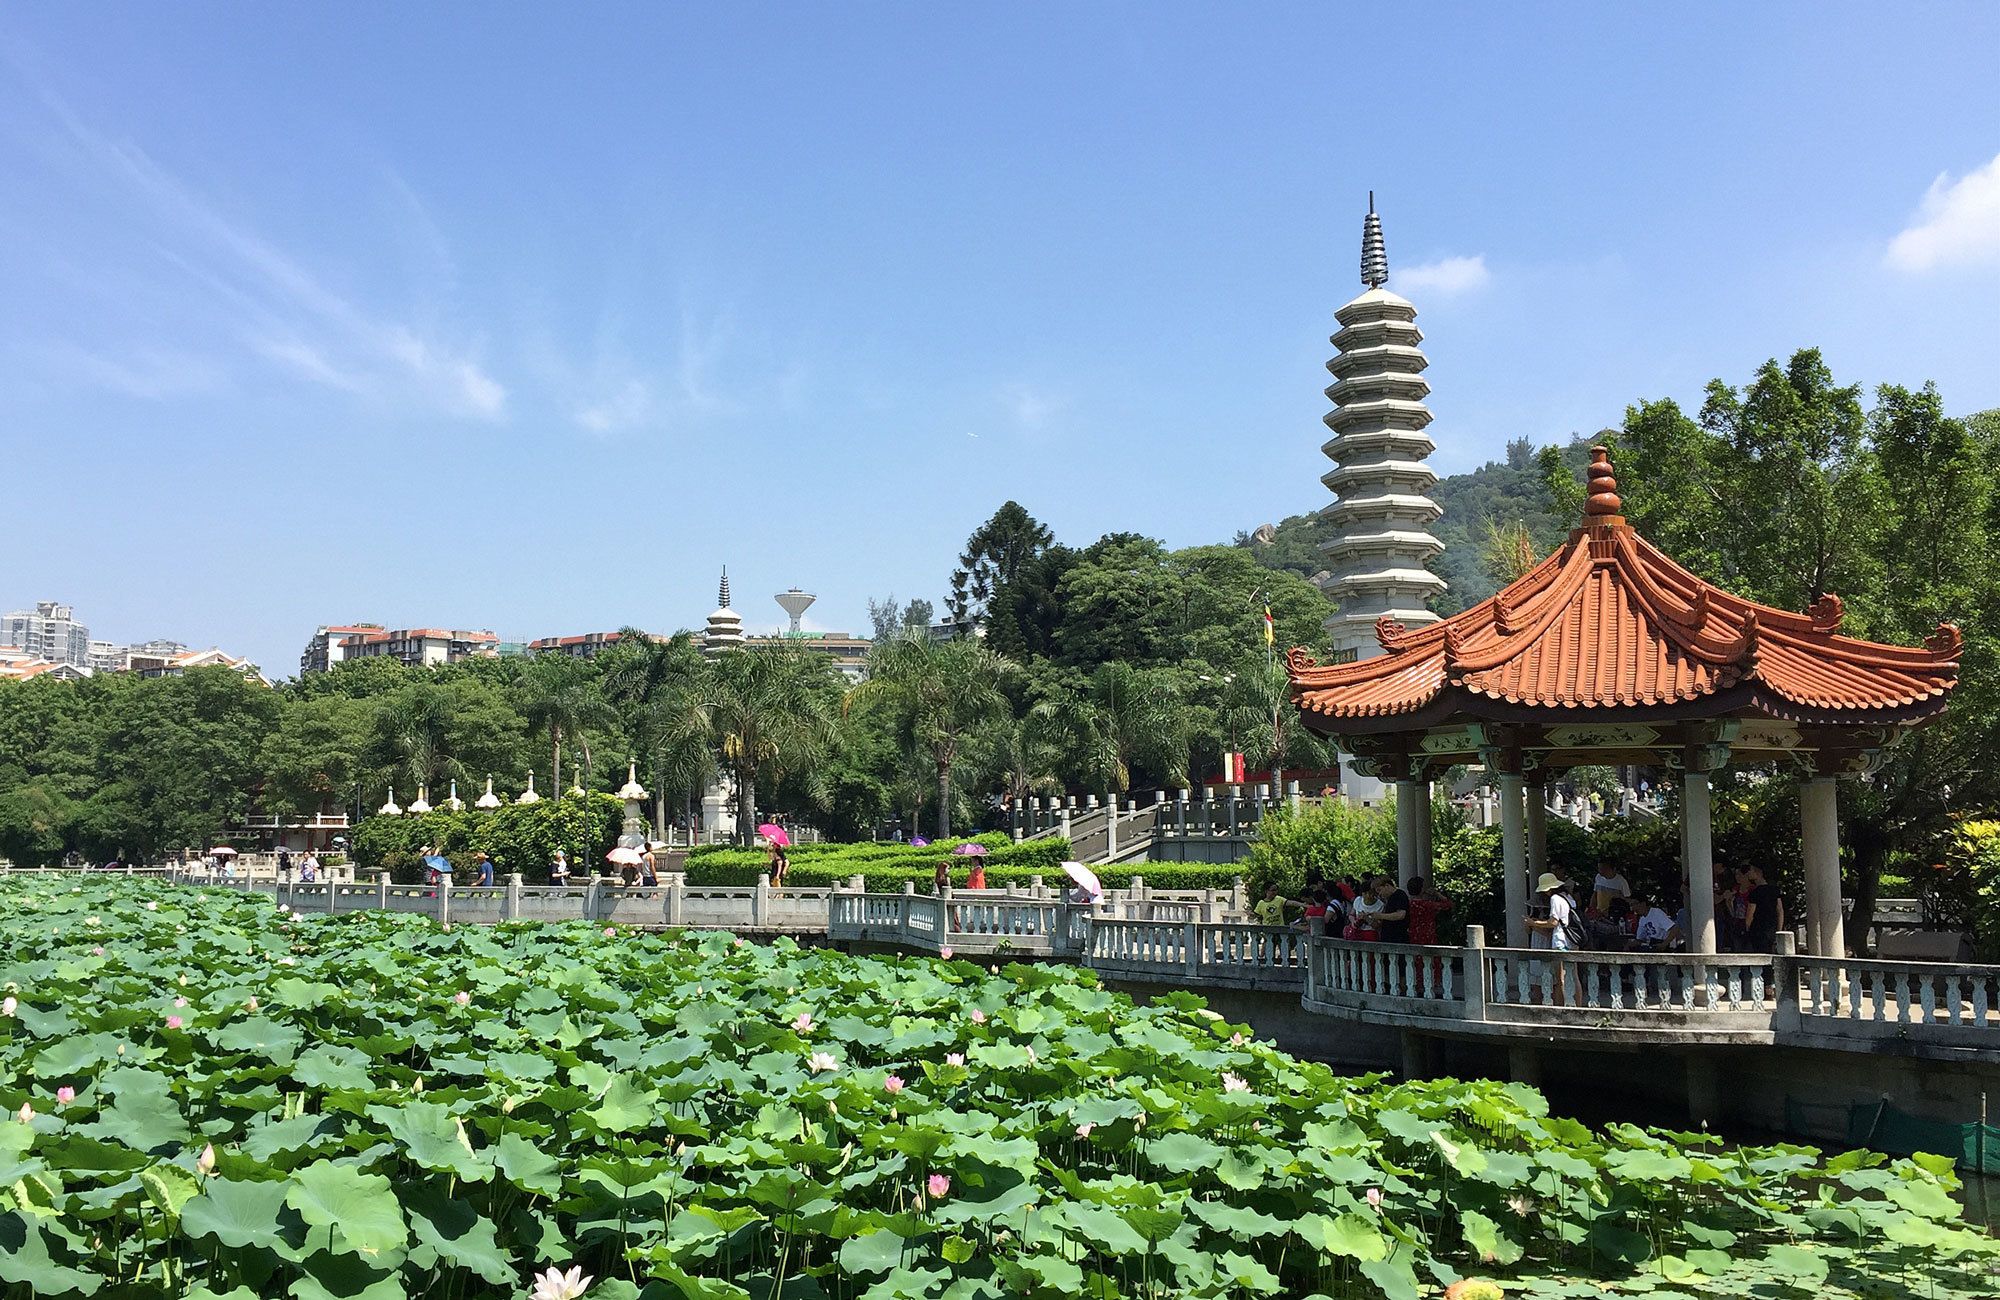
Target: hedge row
(890,879)
(839,861)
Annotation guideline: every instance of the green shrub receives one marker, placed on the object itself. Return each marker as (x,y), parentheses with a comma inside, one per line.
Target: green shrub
(1332,838)
(843,860)
(1973,859)
(520,837)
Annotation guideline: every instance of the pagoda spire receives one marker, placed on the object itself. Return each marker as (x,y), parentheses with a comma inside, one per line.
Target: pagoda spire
(725,625)
(1374,253)
(722,592)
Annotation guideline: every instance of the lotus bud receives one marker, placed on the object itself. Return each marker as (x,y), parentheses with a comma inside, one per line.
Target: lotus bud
(204,1164)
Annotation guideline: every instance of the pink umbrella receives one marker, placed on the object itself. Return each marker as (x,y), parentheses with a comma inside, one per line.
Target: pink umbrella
(969,851)
(625,857)
(776,834)
(1085,878)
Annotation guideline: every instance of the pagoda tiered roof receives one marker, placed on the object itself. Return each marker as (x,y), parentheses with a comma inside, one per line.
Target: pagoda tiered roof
(1609,628)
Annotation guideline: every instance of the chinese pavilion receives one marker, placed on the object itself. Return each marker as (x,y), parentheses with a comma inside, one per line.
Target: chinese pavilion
(1610,652)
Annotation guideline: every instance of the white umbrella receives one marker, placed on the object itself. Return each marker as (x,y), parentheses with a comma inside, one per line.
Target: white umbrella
(625,857)
(222,851)
(1085,878)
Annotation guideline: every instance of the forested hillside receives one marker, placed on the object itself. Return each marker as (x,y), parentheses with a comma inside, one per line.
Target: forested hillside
(1497,495)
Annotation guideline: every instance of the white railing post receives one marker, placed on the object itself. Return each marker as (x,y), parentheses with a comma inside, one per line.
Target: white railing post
(590,892)
(382,883)
(512,910)
(444,901)
(1475,972)
(329,897)
(760,901)
(1191,941)
(677,898)
(1785,974)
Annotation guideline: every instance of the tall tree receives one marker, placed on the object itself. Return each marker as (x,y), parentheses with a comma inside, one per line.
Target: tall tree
(945,691)
(995,553)
(1125,717)
(1258,710)
(655,684)
(770,711)
(561,696)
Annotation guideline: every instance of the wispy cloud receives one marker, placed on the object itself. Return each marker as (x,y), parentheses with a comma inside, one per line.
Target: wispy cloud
(154,374)
(1445,276)
(1957,224)
(278,309)
(1031,408)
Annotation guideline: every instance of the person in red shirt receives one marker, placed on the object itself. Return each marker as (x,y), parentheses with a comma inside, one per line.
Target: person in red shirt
(1426,905)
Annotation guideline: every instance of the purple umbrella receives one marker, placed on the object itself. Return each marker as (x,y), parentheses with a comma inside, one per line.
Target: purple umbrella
(918,842)
(969,851)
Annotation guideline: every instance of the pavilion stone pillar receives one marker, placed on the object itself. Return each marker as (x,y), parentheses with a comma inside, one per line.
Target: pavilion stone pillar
(1536,798)
(1698,857)
(1413,827)
(1819,824)
(1514,857)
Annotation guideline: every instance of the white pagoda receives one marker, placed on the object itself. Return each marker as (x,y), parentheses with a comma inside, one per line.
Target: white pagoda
(1378,557)
(725,625)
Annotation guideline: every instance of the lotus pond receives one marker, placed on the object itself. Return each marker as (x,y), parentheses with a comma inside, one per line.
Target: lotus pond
(210,1098)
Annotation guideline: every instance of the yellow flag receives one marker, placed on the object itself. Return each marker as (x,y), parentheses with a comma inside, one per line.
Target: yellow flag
(1270,627)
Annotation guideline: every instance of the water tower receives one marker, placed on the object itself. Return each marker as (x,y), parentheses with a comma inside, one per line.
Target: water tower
(795,603)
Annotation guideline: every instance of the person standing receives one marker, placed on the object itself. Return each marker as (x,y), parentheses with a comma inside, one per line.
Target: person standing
(559,869)
(485,868)
(941,878)
(1427,904)
(1392,923)
(976,879)
(1554,926)
(779,864)
(1763,910)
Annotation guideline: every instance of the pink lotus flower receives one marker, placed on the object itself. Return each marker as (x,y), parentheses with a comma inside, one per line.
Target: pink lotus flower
(174,1022)
(65,1095)
(180,1002)
(944,954)
(978,1016)
(936,1186)
(1085,1130)
(1236,1040)
(893,1084)
(736,943)
(954,1058)
(610,932)
(1374,1198)
(204,1163)
(26,1114)
(97,951)
(462,998)
(1234,1083)
(804,1023)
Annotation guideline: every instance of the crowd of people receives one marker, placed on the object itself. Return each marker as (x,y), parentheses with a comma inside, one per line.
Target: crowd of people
(1614,917)
(1371,909)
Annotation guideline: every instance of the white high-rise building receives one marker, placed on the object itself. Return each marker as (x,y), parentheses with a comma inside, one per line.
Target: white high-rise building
(1382,545)
(50,632)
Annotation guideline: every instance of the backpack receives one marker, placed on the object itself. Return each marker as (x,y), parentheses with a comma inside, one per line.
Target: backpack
(1572,927)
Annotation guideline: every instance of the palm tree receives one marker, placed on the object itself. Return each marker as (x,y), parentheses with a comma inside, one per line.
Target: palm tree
(413,734)
(944,690)
(655,683)
(1258,707)
(562,694)
(1020,756)
(1124,716)
(769,710)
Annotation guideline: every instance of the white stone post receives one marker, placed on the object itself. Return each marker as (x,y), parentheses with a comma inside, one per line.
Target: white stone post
(382,883)
(1474,981)
(760,901)
(676,882)
(512,911)
(1698,862)
(1111,827)
(444,901)
(1819,824)
(1514,858)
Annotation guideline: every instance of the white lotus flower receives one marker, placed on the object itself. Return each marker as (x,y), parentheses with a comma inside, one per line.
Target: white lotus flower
(7,1006)
(152,905)
(1234,1083)
(820,1062)
(558,1285)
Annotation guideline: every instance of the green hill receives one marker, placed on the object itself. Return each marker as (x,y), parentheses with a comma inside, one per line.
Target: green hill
(1497,494)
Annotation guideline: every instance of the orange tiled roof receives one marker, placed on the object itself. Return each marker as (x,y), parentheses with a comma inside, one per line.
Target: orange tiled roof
(1609,621)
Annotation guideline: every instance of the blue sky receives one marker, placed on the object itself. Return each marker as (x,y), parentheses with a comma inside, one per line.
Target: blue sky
(529,319)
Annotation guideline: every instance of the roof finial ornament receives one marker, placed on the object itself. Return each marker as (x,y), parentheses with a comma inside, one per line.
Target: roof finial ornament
(1603,505)
(722,593)
(1374,255)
